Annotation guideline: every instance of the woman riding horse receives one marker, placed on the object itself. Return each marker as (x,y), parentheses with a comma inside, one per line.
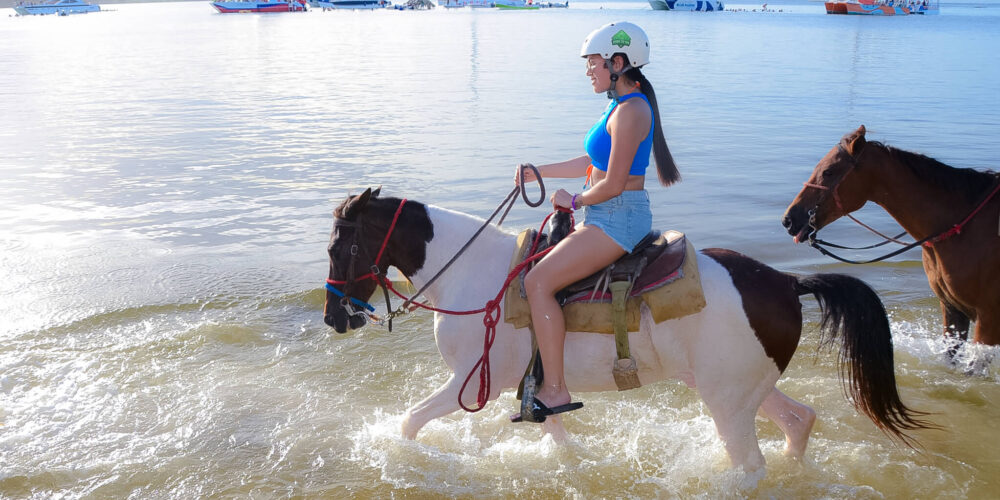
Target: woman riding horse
(616,206)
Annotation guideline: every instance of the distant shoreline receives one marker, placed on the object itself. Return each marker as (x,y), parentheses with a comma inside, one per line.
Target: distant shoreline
(6,4)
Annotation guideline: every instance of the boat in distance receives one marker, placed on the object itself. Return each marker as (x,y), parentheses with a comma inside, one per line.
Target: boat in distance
(348,4)
(516,5)
(58,7)
(688,5)
(459,4)
(240,7)
(502,4)
(882,7)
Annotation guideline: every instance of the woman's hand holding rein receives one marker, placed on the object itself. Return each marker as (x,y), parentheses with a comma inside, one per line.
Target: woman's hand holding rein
(564,199)
(527,172)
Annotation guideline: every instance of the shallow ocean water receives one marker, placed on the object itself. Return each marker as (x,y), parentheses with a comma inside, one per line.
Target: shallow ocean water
(169,177)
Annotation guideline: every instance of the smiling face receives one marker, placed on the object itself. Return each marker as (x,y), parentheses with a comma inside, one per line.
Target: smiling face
(600,75)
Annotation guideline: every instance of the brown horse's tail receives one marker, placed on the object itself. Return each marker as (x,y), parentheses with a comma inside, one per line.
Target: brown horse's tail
(853,311)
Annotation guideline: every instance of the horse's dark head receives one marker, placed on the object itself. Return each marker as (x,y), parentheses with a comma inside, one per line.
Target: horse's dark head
(350,251)
(834,189)
(369,235)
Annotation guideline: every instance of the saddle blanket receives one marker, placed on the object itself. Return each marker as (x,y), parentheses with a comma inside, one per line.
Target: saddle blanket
(669,286)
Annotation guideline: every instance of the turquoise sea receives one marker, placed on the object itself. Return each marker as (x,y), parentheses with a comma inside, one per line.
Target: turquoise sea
(168,177)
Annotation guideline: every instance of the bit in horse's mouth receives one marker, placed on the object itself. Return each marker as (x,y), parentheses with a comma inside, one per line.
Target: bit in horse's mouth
(802,235)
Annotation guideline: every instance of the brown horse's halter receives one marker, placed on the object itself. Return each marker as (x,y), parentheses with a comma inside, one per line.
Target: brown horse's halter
(840,206)
(928,242)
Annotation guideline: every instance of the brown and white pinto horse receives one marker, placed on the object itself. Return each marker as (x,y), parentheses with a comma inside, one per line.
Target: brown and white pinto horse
(956,210)
(732,351)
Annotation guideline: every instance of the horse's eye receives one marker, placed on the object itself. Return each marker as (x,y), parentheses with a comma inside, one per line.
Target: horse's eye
(827,173)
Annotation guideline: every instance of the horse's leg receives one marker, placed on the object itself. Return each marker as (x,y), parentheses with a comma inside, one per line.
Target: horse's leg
(733,397)
(987,327)
(738,432)
(442,402)
(956,328)
(793,418)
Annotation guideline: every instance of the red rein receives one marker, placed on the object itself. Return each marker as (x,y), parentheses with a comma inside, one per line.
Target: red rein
(957,228)
(490,320)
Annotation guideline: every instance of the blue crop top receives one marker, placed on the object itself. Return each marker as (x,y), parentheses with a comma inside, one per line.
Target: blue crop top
(598,141)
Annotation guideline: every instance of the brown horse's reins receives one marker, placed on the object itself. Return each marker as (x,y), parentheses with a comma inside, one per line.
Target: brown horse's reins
(928,242)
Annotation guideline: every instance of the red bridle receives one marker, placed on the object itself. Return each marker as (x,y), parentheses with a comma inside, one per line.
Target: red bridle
(378,258)
(374,273)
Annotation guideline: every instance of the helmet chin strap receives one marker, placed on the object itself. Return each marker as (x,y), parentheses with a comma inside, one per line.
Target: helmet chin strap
(613,89)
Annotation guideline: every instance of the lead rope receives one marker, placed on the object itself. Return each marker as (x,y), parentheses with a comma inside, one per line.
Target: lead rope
(490,320)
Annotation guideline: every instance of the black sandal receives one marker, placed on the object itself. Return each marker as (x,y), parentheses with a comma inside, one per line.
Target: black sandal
(539,411)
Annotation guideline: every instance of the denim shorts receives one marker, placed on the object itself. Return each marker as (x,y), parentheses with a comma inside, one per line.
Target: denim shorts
(626,218)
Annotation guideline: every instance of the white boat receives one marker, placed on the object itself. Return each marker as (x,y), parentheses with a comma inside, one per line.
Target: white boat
(59,7)
(687,5)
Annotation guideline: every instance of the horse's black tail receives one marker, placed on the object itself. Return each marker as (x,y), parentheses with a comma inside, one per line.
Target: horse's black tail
(853,311)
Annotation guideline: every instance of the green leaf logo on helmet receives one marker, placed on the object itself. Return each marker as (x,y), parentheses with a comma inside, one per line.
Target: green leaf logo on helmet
(621,39)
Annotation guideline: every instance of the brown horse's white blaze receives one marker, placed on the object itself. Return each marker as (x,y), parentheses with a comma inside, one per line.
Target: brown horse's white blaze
(731,352)
(957,209)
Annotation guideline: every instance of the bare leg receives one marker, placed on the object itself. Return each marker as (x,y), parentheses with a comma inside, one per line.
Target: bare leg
(582,253)
(793,418)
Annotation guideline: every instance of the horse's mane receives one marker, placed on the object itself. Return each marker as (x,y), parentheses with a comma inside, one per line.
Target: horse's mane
(379,212)
(970,182)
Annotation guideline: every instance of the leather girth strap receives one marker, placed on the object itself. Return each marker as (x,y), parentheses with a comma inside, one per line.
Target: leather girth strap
(625,371)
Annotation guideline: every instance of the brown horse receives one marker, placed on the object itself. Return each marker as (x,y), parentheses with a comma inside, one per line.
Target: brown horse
(953,211)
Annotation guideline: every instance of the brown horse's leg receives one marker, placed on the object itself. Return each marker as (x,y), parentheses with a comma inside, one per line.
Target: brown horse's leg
(987,328)
(956,328)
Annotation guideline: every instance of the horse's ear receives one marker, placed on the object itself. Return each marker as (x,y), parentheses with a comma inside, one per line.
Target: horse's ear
(376,192)
(857,141)
(356,204)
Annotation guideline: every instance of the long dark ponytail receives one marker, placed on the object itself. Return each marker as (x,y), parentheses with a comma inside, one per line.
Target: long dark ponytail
(665,167)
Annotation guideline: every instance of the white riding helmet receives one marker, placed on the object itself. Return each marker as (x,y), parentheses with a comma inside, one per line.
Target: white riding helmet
(623,37)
